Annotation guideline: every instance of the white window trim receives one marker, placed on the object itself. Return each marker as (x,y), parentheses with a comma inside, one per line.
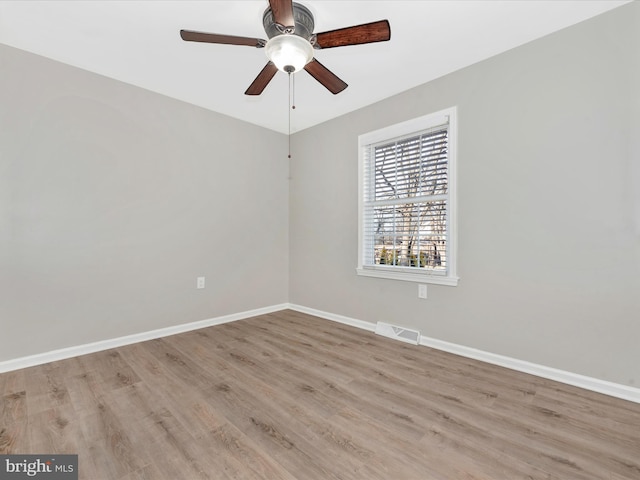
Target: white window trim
(410,274)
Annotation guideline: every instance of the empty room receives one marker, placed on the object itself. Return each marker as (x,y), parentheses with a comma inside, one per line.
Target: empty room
(417,259)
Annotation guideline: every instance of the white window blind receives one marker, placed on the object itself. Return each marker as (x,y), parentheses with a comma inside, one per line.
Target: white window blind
(405,224)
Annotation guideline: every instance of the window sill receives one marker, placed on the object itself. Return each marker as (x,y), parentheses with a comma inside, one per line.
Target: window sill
(405,276)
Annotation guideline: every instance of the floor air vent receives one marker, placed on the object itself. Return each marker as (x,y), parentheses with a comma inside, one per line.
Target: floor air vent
(399,333)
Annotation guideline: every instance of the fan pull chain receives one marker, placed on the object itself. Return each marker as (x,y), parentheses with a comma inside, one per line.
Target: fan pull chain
(293,93)
(289,110)
(292,106)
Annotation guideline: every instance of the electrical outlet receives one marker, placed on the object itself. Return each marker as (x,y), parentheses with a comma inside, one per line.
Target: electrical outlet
(422,291)
(200,282)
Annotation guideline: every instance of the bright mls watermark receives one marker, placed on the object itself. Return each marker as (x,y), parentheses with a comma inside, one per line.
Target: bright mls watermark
(43,467)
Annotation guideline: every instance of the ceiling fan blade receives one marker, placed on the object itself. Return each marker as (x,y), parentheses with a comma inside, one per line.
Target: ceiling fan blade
(191,36)
(366,33)
(283,12)
(262,80)
(325,76)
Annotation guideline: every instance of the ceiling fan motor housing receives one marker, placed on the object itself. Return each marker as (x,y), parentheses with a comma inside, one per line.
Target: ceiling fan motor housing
(290,47)
(303,22)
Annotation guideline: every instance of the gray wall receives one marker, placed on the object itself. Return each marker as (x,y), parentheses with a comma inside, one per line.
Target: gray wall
(549,250)
(114,199)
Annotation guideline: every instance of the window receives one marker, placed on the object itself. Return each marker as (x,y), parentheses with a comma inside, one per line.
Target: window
(407,200)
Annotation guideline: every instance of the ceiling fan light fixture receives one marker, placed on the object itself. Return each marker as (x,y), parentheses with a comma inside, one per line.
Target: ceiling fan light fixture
(289,53)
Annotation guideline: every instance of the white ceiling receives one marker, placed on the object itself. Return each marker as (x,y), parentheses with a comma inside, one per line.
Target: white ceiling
(138,42)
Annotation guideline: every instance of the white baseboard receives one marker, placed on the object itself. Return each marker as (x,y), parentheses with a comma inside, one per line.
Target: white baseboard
(588,383)
(64,353)
(371,327)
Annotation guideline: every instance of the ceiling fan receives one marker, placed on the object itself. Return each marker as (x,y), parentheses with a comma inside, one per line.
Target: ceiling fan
(289,27)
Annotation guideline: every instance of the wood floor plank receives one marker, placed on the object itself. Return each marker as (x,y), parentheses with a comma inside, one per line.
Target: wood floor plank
(12,382)
(290,396)
(113,370)
(13,407)
(189,406)
(280,435)
(149,472)
(46,388)
(244,450)
(55,429)
(14,437)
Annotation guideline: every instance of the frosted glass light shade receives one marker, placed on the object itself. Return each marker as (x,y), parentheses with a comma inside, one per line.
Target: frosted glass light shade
(290,53)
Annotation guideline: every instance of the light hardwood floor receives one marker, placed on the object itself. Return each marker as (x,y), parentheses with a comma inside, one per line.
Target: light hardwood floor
(290,396)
